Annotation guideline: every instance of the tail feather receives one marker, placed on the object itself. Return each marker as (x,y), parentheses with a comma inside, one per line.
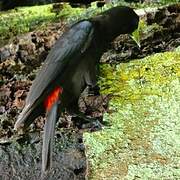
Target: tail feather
(27,116)
(48,138)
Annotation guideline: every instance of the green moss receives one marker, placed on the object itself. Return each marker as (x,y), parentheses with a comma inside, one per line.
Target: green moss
(23,20)
(146,4)
(143,133)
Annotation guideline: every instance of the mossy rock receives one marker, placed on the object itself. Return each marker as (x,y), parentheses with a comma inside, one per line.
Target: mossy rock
(142,140)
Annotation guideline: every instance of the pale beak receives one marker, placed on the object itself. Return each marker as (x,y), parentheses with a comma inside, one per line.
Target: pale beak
(136,37)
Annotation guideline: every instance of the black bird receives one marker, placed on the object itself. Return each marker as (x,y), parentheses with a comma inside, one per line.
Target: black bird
(69,68)
(100,4)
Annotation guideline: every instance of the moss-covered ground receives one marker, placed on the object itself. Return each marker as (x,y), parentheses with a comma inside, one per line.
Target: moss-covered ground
(25,19)
(142,140)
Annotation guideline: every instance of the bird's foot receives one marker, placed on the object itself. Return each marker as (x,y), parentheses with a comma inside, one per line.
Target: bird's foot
(84,122)
(95,125)
(93,91)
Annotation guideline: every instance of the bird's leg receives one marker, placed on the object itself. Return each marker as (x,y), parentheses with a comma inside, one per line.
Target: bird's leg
(73,110)
(93,90)
(84,122)
(91,81)
(81,120)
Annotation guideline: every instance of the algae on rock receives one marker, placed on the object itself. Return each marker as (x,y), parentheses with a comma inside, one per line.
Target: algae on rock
(142,140)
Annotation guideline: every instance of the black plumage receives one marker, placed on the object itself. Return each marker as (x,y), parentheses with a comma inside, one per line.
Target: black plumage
(71,66)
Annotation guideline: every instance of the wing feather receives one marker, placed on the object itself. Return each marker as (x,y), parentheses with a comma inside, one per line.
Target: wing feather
(68,48)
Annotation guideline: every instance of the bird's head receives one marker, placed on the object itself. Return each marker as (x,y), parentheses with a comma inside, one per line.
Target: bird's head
(116,21)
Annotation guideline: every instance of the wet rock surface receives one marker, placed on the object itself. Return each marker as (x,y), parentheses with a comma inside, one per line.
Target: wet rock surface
(21,157)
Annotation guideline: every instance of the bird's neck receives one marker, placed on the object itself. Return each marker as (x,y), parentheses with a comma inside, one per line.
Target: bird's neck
(104,29)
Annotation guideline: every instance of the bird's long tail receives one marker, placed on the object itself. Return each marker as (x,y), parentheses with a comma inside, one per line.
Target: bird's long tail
(51,104)
(48,138)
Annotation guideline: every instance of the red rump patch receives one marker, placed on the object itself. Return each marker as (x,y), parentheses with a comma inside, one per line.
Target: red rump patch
(53,97)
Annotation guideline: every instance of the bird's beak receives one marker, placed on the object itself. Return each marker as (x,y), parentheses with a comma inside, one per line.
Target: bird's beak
(136,37)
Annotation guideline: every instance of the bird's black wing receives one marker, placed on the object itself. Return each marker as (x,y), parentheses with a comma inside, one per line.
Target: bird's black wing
(71,45)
